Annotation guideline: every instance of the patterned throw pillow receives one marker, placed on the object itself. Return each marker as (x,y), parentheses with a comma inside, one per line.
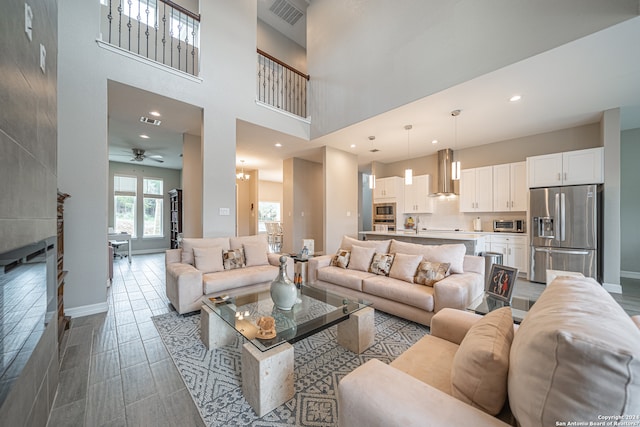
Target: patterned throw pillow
(341,258)
(431,272)
(233,258)
(381,264)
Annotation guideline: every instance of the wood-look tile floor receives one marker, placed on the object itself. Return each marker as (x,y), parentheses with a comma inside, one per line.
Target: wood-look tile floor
(114,368)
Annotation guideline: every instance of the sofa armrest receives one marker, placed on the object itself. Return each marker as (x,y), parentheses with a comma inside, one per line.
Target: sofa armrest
(172,255)
(376,394)
(636,320)
(316,263)
(473,264)
(274,259)
(457,291)
(452,325)
(183,286)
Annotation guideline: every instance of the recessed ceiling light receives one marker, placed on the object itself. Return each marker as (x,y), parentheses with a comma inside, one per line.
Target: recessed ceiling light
(435,141)
(144,136)
(154,113)
(278,145)
(353,145)
(515,98)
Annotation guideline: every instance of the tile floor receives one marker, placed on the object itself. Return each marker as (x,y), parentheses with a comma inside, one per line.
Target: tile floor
(115,370)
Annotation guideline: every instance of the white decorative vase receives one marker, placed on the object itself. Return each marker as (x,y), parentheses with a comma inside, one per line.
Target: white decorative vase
(283,291)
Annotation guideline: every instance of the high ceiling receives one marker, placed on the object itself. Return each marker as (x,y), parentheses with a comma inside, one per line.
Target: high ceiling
(562,88)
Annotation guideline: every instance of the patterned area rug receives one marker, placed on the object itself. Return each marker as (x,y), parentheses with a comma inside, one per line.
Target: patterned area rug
(214,380)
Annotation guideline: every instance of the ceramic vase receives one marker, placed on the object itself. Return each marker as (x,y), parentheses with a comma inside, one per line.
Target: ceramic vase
(283,291)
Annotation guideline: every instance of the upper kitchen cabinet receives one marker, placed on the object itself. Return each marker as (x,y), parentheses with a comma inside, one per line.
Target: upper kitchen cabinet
(510,187)
(476,190)
(569,168)
(388,190)
(416,195)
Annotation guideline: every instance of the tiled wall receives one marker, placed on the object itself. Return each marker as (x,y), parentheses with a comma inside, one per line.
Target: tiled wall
(28,177)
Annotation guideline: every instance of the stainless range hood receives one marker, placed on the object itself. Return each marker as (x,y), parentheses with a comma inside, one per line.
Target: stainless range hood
(445,181)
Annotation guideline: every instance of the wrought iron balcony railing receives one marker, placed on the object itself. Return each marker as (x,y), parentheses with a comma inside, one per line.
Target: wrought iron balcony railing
(159,30)
(281,85)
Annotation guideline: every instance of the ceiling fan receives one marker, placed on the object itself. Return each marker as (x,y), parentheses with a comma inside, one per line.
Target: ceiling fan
(138,156)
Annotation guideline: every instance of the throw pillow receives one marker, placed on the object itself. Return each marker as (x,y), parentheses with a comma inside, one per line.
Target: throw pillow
(361,258)
(481,365)
(188,243)
(404,267)
(381,264)
(431,272)
(233,258)
(341,258)
(208,260)
(255,253)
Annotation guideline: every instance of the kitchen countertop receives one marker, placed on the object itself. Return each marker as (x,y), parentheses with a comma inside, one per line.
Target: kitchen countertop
(441,234)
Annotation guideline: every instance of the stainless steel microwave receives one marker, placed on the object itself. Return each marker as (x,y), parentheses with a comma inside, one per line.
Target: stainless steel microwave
(384,211)
(509,225)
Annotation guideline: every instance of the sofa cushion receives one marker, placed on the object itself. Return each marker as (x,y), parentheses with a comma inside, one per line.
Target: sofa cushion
(233,258)
(431,272)
(381,264)
(404,266)
(397,290)
(351,279)
(214,283)
(237,242)
(481,364)
(341,258)
(361,258)
(189,243)
(429,360)
(382,246)
(208,260)
(255,253)
(452,254)
(575,356)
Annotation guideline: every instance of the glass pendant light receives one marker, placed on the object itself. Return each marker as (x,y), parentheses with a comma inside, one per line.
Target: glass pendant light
(408,173)
(372,177)
(455,166)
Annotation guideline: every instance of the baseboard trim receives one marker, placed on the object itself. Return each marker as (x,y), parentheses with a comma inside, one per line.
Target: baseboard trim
(148,251)
(87,310)
(612,288)
(630,274)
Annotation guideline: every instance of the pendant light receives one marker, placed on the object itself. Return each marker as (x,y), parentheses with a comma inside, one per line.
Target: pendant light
(372,177)
(408,173)
(455,166)
(242,176)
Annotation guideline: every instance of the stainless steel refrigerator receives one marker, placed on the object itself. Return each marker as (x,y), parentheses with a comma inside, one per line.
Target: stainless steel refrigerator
(566,232)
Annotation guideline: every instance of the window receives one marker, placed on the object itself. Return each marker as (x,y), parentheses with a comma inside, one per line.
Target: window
(153,211)
(139,10)
(267,212)
(124,202)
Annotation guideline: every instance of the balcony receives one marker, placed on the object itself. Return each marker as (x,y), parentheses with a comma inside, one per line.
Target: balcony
(159,30)
(281,86)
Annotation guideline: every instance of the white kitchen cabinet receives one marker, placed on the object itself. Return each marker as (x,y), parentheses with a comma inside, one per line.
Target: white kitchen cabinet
(513,250)
(476,189)
(416,195)
(510,187)
(388,189)
(568,168)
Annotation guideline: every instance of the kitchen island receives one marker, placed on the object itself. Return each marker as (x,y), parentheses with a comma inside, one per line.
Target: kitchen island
(474,242)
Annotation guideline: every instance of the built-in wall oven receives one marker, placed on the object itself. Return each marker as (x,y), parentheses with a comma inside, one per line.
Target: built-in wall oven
(384,216)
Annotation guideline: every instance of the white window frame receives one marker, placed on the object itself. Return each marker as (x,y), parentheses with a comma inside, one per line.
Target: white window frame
(157,197)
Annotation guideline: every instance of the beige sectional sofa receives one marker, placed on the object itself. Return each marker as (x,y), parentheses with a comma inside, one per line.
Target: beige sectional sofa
(398,293)
(574,358)
(214,266)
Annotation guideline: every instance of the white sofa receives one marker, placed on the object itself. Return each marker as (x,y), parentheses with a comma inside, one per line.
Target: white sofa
(198,269)
(403,297)
(575,358)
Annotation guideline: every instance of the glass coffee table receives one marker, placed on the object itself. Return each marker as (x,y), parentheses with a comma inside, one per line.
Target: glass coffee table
(267,364)
(519,306)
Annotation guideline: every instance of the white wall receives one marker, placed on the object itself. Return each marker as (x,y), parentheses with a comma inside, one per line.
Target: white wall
(281,47)
(226,92)
(191,186)
(369,56)
(610,128)
(630,203)
(340,197)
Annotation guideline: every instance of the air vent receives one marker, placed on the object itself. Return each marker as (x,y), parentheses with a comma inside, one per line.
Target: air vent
(150,121)
(286,11)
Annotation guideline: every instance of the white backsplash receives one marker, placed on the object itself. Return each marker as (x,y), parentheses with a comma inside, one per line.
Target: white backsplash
(447,216)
